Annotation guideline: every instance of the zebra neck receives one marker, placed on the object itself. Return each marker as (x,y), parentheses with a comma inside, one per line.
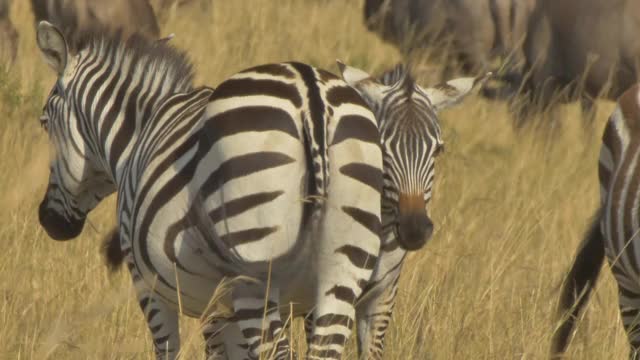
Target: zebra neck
(388,238)
(113,132)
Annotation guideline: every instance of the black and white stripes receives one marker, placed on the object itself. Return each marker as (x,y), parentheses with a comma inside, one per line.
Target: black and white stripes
(274,176)
(615,230)
(410,140)
(300,122)
(281,177)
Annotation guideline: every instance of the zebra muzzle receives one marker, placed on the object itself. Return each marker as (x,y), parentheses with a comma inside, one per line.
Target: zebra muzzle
(57,226)
(414,225)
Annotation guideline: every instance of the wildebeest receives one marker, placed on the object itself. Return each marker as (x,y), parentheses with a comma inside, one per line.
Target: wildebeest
(165,8)
(586,48)
(76,17)
(471,33)
(8,34)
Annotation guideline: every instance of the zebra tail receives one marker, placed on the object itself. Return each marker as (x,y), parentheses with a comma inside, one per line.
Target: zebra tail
(578,285)
(315,154)
(112,251)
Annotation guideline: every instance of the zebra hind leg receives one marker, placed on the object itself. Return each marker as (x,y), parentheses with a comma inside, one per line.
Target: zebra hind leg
(261,326)
(332,324)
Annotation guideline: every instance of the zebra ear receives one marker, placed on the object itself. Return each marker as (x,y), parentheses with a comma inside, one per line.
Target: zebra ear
(166,39)
(629,105)
(454,91)
(351,75)
(364,84)
(53,46)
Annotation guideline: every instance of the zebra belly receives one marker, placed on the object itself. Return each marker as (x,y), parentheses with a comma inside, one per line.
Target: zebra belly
(183,271)
(191,267)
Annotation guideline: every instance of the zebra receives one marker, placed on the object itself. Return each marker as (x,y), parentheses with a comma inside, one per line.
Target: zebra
(410,138)
(614,231)
(273,179)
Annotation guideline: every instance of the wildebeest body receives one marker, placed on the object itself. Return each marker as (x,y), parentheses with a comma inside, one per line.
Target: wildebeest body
(8,34)
(76,17)
(587,48)
(471,33)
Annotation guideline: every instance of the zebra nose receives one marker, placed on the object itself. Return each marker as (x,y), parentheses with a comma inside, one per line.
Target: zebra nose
(414,230)
(414,225)
(57,226)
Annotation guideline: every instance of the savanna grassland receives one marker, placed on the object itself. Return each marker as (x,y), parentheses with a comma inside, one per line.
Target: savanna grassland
(510,209)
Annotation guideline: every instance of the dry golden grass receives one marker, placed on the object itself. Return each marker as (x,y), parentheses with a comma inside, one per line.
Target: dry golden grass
(509,211)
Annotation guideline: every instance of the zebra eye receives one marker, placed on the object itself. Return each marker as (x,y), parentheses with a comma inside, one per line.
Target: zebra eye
(44,122)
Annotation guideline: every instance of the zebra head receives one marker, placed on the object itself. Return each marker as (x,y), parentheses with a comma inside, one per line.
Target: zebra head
(76,183)
(410,138)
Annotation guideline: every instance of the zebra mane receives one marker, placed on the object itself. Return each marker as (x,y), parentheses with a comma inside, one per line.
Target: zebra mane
(143,54)
(399,74)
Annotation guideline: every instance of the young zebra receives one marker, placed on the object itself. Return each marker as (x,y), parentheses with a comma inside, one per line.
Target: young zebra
(280,167)
(410,139)
(615,229)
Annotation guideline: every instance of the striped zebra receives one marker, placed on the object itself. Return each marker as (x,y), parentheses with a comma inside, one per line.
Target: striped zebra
(410,139)
(274,177)
(216,184)
(615,229)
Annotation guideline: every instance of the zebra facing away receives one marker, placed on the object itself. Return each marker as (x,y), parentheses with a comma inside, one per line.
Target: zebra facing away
(410,140)
(280,166)
(615,230)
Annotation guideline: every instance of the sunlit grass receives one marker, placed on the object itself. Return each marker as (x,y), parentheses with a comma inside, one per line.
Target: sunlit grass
(509,208)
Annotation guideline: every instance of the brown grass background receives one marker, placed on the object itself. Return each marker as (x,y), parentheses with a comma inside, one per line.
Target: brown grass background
(509,208)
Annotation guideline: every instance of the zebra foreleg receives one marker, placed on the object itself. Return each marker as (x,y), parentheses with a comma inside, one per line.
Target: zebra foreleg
(373,318)
(259,322)
(162,320)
